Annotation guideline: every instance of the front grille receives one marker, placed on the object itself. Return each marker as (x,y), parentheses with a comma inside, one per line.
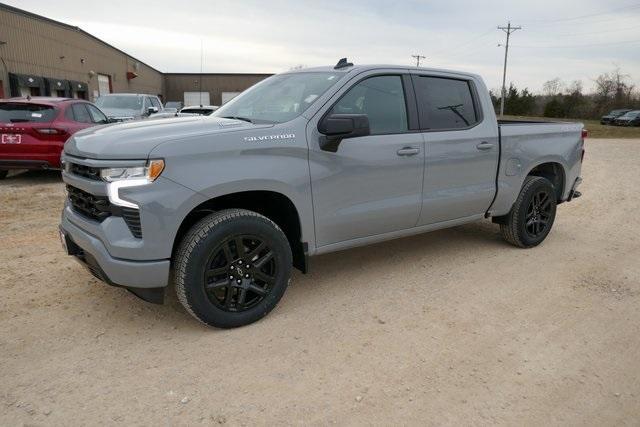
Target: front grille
(132,218)
(85,171)
(93,207)
(98,208)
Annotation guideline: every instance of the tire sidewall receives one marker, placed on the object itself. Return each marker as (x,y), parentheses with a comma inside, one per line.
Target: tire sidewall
(193,278)
(537,185)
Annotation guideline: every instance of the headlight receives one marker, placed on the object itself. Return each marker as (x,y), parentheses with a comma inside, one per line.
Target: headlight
(130,177)
(149,172)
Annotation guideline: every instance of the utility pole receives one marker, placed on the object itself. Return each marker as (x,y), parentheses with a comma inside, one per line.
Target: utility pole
(508,30)
(418,58)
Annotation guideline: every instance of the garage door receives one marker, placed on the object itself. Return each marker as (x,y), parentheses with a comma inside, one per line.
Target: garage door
(196,98)
(104,84)
(228,96)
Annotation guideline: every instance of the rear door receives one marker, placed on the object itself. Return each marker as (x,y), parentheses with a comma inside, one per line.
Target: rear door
(461,147)
(372,184)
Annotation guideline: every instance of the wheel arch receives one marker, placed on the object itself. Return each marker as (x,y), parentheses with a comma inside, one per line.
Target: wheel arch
(555,172)
(274,205)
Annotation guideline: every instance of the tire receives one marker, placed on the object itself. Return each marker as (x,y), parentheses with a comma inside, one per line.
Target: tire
(208,256)
(3,174)
(530,220)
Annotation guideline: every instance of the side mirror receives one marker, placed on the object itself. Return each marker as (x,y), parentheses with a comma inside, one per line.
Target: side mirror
(152,110)
(336,127)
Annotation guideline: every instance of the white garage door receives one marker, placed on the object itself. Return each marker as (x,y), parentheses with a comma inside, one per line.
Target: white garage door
(196,98)
(103,84)
(228,96)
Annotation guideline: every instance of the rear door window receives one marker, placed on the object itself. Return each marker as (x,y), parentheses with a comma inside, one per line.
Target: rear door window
(11,112)
(445,103)
(80,113)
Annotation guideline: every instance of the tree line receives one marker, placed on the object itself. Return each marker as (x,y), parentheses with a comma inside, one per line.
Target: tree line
(612,90)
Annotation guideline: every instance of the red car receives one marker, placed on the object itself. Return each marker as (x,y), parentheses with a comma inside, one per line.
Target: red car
(33,130)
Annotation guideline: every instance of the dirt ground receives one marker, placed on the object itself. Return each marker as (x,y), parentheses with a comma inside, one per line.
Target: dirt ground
(448,328)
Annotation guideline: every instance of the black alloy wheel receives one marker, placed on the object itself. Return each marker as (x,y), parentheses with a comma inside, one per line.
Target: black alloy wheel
(532,215)
(232,267)
(241,271)
(538,214)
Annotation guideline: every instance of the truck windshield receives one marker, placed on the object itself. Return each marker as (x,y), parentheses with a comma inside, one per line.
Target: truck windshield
(123,102)
(279,98)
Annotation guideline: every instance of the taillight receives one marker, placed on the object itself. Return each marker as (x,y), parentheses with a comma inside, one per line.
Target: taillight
(585,133)
(49,131)
(51,134)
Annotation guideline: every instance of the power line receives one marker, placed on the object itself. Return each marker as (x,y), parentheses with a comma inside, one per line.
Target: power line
(591,15)
(466,43)
(580,45)
(418,58)
(590,33)
(508,30)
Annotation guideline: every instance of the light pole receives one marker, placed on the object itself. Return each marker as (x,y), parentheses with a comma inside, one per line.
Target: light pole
(418,58)
(508,30)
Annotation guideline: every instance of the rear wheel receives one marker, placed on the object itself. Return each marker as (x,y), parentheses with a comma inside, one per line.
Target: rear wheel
(3,174)
(232,268)
(532,215)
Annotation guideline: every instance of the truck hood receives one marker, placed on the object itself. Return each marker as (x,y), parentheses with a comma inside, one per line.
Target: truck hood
(135,140)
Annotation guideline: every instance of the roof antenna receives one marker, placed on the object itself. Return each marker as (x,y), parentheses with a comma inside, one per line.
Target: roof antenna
(343,64)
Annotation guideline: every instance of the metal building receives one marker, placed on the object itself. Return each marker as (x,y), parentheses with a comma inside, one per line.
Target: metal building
(216,88)
(41,56)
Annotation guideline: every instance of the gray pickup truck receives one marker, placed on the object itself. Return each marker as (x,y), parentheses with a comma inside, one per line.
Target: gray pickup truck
(304,163)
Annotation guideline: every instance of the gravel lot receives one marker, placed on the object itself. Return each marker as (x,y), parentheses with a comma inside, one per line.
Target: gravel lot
(453,327)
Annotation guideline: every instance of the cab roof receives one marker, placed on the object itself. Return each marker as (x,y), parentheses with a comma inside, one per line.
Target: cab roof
(357,69)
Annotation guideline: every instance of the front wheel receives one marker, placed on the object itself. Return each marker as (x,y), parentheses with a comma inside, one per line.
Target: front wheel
(532,215)
(232,268)
(3,174)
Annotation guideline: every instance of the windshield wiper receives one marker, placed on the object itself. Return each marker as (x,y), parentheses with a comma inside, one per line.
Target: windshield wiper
(238,118)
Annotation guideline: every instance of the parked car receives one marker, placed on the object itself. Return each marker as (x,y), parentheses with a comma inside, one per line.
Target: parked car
(122,107)
(198,110)
(632,118)
(33,130)
(614,114)
(177,105)
(301,164)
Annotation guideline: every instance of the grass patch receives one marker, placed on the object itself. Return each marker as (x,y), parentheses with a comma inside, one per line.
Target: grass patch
(596,130)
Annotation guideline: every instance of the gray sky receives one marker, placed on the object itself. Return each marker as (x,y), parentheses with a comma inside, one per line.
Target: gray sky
(570,39)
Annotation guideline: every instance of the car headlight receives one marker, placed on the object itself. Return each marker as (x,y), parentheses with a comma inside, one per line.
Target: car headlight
(130,177)
(150,172)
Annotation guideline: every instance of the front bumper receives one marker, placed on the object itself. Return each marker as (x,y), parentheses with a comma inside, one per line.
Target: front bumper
(115,271)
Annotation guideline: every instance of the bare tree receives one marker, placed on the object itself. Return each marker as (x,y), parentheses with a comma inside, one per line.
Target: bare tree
(575,87)
(552,87)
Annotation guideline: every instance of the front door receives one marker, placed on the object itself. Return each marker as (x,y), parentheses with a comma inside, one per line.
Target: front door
(461,149)
(372,184)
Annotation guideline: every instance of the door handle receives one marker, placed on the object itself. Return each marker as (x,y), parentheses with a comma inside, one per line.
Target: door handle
(408,151)
(484,146)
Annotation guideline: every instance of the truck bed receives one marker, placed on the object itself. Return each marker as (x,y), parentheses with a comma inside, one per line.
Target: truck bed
(526,143)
